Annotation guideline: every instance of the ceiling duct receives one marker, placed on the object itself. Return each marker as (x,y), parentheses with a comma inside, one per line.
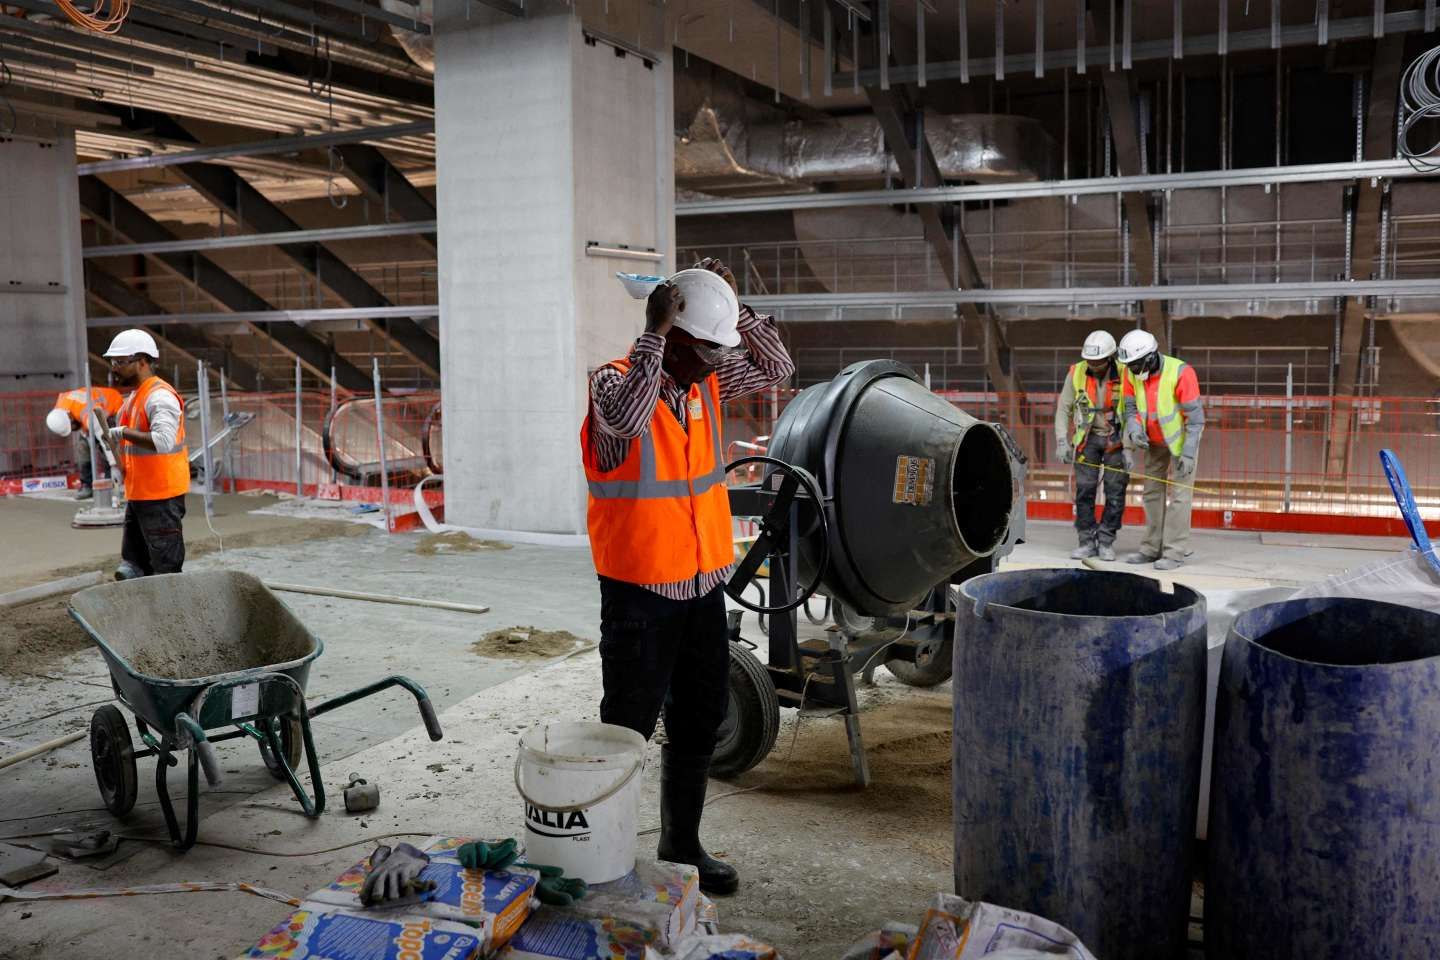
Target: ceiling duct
(723,154)
(419,47)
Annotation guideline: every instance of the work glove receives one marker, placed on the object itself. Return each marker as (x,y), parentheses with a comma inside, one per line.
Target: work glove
(1184,467)
(555,889)
(116,435)
(1064,453)
(1135,434)
(394,874)
(480,855)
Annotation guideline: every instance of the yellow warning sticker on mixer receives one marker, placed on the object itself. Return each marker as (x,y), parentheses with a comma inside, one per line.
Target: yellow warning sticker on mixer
(914,480)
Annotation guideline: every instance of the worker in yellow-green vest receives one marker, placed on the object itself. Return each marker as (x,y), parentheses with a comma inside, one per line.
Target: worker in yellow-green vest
(1087,434)
(1164,419)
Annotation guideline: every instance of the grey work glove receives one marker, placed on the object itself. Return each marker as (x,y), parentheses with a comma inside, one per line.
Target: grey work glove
(1135,434)
(393,874)
(1063,453)
(1184,467)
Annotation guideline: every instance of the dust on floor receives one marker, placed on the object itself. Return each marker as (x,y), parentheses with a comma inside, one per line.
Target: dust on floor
(35,635)
(455,541)
(525,643)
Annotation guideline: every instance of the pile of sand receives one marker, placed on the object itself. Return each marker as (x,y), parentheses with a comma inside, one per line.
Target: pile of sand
(35,635)
(525,643)
(456,541)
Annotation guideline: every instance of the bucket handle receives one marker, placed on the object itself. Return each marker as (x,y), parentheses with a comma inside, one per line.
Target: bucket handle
(609,792)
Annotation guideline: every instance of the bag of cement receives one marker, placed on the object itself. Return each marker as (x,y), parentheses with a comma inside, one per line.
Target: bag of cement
(554,934)
(891,940)
(1409,578)
(316,931)
(957,929)
(725,946)
(660,897)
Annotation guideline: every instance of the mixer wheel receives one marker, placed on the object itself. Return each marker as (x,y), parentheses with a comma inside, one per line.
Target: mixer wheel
(752,720)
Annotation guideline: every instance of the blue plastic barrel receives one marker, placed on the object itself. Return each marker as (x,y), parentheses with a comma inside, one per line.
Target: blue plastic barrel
(1325,797)
(1079,709)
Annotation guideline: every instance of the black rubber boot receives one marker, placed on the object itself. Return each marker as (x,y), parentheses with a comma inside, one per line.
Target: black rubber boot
(682,803)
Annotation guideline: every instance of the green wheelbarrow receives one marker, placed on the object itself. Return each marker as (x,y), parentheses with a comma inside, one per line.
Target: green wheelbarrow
(194,652)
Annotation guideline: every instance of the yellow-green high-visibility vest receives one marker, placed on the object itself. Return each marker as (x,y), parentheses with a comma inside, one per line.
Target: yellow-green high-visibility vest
(1079,375)
(1167,411)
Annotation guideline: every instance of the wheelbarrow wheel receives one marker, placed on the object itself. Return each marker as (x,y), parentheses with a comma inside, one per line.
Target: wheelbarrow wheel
(292,743)
(112,754)
(752,718)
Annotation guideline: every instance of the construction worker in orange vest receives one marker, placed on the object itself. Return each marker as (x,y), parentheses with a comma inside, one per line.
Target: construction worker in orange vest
(68,419)
(1087,434)
(660,531)
(149,440)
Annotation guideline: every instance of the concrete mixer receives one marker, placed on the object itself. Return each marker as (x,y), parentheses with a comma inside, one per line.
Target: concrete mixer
(881,496)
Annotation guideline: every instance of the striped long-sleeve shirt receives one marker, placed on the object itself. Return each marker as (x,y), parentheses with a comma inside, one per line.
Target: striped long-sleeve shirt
(622,404)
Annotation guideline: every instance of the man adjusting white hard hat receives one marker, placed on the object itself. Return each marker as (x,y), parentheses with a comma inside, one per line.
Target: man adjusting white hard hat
(130,343)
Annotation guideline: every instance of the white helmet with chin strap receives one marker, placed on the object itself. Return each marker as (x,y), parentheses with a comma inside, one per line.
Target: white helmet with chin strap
(711,311)
(1136,345)
(1098,346)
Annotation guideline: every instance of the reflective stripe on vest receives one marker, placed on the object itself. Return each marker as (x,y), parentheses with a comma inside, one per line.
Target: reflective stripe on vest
(1079,379)
(151,474)
(1167,411)
(662,515)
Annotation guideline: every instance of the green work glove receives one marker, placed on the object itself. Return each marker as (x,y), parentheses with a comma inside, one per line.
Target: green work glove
(555,889)
(479,855)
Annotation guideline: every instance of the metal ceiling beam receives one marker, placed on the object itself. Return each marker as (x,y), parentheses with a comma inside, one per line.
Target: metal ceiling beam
(905,139)
(1120,104)
(275,316)
(90,41)
(106,205)
(45,47)
(1379,142)
(364,232)
(383,183)
(1089,186)
(412,23)
(230,192)
(260,148)
(346,76)
(1353,28)
(116,295)
(1087,296)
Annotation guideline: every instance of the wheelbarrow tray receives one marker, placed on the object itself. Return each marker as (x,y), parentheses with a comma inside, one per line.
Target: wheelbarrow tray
(166,638)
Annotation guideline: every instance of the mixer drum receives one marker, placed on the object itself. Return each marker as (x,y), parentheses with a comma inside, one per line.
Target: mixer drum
(919,488)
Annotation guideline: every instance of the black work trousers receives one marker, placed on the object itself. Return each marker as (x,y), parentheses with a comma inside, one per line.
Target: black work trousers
(154,540)
(656,652)
(1088,480)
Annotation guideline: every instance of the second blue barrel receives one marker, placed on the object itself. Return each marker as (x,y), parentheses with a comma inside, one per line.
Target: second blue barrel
(1079,712)
(1325,794)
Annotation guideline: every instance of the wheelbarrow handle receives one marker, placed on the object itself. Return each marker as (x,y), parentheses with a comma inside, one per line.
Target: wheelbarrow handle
(422,700)
(208,761)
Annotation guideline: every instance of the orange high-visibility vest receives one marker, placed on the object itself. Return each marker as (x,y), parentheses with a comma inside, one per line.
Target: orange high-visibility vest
(663,515)
(149,474)
(73,403)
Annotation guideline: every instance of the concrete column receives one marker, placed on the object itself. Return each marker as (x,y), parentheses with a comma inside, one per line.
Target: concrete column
(548,141)
(42,282)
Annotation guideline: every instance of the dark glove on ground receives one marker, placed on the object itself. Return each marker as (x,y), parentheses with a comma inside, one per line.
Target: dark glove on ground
(394,873)
(555,889)
(480,855)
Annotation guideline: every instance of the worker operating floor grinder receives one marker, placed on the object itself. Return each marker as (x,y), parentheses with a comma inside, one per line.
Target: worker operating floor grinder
(882,496)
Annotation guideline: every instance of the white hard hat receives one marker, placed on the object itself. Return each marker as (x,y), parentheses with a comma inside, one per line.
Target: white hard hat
(59,422)
(127,343)
(1137,344)
(712,311)
(1098,346)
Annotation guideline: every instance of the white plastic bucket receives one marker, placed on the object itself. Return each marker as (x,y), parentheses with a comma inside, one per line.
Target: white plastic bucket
(581,787)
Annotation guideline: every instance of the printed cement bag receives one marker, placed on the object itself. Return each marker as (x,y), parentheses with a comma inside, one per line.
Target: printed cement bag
(890,942)
(1408,578)
(313,932)
(494,902)
(552,934)
(726,946)
(662,897)
(957,929)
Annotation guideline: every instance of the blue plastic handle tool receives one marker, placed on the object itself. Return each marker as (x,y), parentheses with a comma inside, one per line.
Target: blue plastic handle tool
(1405,499)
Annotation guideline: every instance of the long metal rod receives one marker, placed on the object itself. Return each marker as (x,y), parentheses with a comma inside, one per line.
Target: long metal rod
(363,232)
(1289,427)
(299,412)
(1351,28)
(1196,180)
(202,377)
(418,312)
(380,438)
(1429,287)
(260,148)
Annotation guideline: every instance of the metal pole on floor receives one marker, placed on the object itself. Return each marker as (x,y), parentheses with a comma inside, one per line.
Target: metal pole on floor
(299,487)
(90,433)
(330,420)
(1289,424)
(207,462)
(380,438)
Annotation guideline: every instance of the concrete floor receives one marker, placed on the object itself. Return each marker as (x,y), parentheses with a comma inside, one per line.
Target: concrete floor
(824,862)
